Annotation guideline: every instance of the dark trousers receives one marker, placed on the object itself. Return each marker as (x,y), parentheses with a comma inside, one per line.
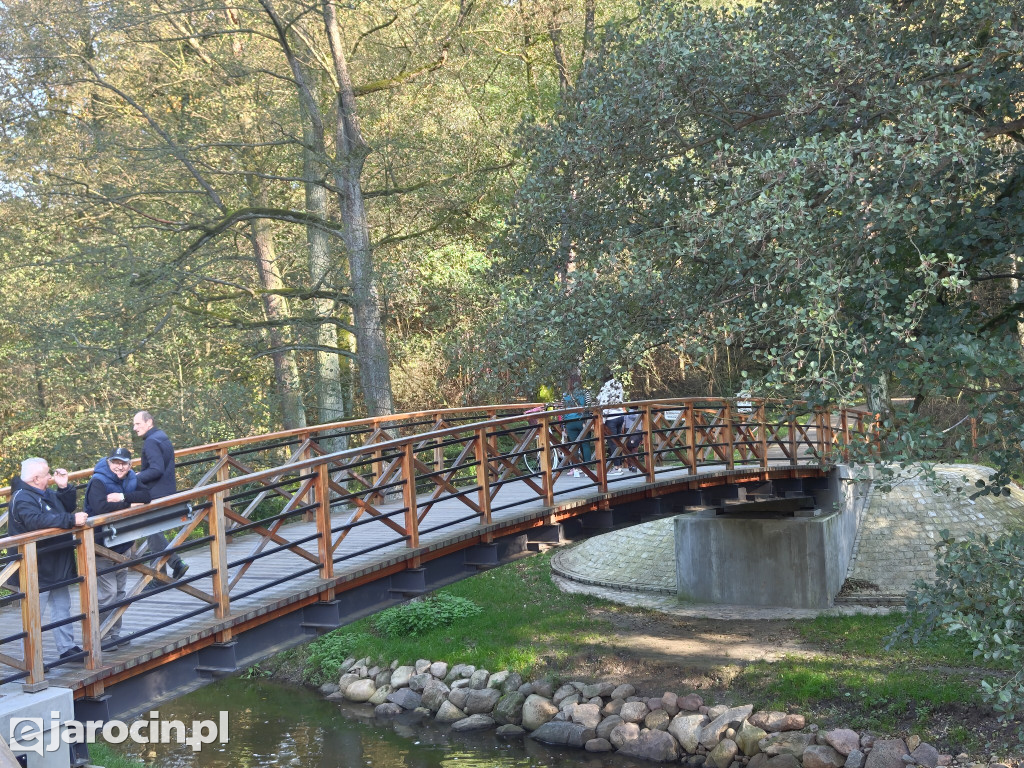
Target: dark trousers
(613,426)
(157,544)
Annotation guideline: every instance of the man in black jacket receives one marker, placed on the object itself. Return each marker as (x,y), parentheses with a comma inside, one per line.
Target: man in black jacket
(34,507)
(157,474)
(113,486)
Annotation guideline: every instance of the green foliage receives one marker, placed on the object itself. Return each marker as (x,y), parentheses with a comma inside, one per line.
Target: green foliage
(101,754)
(327,654)
(421,616)
(977,597)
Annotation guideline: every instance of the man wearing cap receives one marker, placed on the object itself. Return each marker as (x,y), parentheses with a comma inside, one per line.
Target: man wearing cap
(113,486)
(34,507)
(157,474)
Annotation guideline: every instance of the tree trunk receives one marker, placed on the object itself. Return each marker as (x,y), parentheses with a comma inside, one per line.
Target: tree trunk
(286,371)
(329,390)
(367,314)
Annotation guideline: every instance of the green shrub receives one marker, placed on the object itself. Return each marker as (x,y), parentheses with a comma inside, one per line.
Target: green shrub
(978,595)
(421,616)
(327,653)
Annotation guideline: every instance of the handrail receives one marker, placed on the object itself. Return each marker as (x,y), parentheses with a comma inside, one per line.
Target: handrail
(393,486)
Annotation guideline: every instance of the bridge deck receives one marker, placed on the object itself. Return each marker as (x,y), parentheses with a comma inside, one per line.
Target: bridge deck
(266,597)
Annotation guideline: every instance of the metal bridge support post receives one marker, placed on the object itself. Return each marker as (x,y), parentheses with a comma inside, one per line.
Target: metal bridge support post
(648,422)
(483,474)
(322,491)
(88,594)
(31,619)
(412,528)
(219,557)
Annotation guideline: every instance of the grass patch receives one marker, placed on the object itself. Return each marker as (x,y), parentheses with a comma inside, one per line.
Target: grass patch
(101,754)
(524,621)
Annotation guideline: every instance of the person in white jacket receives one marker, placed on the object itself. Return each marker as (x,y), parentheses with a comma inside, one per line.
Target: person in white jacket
(612,394)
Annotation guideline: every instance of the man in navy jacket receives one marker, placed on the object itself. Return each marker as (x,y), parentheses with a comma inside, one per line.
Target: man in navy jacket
(157,474)
(35,507)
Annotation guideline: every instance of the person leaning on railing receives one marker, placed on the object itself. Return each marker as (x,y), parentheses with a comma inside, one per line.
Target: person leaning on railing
(575,396)
(113,486)
(34,507)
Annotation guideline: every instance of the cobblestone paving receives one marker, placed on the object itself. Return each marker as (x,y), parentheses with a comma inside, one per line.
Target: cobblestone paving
(894,547)
(896,542)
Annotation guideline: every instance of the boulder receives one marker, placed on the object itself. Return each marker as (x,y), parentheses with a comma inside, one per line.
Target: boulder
(346,665)
(383,678)
(478,680)
(686,730)
(782,761)
(564,692)
(544,688)
(723,754)
(374,671)
(605,727)
(622,733)
(514,682)
(692,702)
(587,715)
(481,700)
(563,734)
(380,695)
(473,723)
(776,722)
(449,713)
(537,710)
(613,707)
(405,698)
(458,696)
(328,688)
(730,717)
(439,669)
(360,691)
(597,689)
(497,680)
(657,720)
(633,711)
(717,710)
(786,744)
(623,691)
(345,681)
(422,665)
(887,753)
(855,759)
(509,731)
(400,677)
(747,738)
(435,694)
(509,709)
(387,710)
(823,756)
(670,703)
(569,702)
(419,681)
(926,755)
(598,745)
(657,746)
(842,740)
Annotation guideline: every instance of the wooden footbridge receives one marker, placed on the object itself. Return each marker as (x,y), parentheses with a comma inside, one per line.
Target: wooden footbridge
(293,534)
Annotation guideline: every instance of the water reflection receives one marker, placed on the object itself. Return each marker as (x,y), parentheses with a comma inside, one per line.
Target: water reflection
(275,725)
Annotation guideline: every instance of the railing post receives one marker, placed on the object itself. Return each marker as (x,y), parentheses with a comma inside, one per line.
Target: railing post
(322,491)
(305,453)
(88,594)
(648,422)
(224,473)
(845,416)
(691,437)
(219,556)
(483,474)
(820,429)
(412,527)
(763,426)
(792,436)
(599,451)
(730,436)
(31,618)
(544,452)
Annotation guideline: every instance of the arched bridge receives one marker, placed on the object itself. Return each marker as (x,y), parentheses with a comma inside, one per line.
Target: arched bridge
(292,534)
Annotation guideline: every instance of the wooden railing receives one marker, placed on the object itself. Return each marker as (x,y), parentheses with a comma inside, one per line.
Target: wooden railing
(390,492)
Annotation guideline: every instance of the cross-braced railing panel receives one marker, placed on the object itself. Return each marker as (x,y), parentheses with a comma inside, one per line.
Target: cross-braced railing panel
(249,530)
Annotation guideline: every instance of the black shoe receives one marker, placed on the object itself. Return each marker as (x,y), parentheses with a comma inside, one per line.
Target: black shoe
(180,569)
(154,584)
(114,643)
(74,651)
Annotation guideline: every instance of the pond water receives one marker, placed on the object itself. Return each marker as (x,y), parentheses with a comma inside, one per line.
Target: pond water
(273,724)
